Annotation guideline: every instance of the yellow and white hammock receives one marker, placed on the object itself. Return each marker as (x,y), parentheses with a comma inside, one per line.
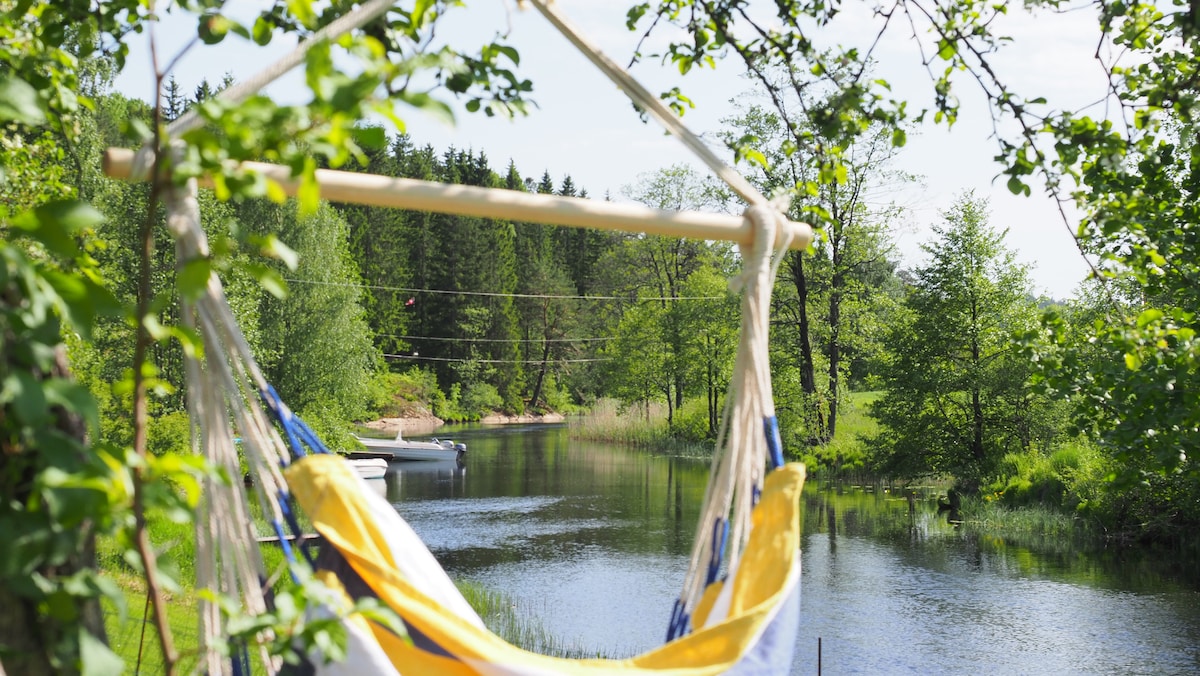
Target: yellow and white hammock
(738,610)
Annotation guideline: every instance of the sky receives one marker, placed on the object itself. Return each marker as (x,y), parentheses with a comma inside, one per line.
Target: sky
(584,127)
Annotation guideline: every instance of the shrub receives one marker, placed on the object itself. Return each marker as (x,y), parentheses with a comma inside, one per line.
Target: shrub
(330,425)
(691,421)
(480,399)
(557,397)
(169,433)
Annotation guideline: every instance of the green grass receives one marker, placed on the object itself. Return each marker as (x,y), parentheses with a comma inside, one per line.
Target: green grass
(133,634)
(640,426)
(845,455)
(501,615)
(1044,528)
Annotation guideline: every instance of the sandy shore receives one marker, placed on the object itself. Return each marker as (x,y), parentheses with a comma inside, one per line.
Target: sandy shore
(427,424)
(522,419)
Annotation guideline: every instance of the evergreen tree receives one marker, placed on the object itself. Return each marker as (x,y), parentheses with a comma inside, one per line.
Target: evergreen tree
(175,104)
(203,92)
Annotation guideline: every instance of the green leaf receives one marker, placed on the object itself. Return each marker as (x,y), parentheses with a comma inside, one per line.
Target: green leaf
(74,397)
(97,658)
(946,49)
(55,224)
(370,137)
(262,31)
(1132,361)
(213,28)
(193,277)
(271,246)
(269,279)
(1149,316)
(1015,186)
(27,397)
(19,102)
(309,193)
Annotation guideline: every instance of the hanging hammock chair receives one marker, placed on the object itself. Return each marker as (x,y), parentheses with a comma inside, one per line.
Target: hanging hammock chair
(738,611)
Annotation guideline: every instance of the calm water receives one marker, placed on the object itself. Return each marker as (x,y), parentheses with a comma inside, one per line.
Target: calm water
(593,540)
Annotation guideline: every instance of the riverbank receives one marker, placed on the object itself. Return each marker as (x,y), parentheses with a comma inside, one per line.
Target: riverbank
(428,423)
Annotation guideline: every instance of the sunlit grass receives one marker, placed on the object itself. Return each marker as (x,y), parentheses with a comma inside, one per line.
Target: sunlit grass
(1042,528)
(640,426)
(133,634)
(504,619)
(845,456)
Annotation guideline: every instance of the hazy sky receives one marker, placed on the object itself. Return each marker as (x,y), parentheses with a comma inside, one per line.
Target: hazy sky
(586,128)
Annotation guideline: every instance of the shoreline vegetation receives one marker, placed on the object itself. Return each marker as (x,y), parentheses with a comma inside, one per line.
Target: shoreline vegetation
(1032,524)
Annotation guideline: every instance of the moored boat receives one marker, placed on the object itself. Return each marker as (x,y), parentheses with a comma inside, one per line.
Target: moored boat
(369,468)
(403,449)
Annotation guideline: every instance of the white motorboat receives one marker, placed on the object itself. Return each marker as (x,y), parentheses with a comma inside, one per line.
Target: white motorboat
(403,449)
(369,468)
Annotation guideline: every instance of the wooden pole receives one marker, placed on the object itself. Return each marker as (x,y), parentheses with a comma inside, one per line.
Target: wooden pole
(463,200)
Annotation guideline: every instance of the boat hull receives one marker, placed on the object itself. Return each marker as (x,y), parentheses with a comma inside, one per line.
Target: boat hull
(412,450)
(369,468)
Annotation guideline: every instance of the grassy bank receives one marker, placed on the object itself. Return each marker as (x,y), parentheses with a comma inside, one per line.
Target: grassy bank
(844,456)
(641,426)
(133,635)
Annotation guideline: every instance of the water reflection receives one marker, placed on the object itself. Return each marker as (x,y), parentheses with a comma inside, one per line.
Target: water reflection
(594,539)
(891,587)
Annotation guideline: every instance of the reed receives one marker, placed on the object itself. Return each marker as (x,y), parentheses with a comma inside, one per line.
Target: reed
(502,617)
(640,426)
(1044,527)
(613,422)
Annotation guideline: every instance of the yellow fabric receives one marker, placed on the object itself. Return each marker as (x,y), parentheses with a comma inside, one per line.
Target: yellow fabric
(331,495)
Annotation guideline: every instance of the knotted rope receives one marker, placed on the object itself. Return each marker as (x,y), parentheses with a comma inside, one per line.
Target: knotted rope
(749,435)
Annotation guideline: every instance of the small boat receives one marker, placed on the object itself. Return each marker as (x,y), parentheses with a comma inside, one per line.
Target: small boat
(402,449)
(369,468)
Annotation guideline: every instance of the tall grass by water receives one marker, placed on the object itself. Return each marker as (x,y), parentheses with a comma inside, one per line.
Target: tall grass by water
(133,634)
(639,425)
(508,622)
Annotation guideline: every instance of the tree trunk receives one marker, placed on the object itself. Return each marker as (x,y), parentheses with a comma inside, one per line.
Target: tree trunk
(977,452)
(808,379)
(835,358)
(537,388)
(713,396)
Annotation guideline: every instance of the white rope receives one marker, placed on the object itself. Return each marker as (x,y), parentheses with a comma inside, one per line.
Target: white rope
(343,24)
(650,103)
(740,457)
(223,387)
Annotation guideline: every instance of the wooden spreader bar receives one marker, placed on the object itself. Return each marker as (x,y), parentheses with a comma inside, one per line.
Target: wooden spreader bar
(514,205)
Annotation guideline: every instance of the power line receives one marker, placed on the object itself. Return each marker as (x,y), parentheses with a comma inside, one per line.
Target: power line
(494,294)
(491,361)
(495,340)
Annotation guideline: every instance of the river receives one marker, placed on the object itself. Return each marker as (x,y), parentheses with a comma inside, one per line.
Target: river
(593,539)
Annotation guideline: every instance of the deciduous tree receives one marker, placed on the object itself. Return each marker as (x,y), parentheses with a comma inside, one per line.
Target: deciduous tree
(956,396)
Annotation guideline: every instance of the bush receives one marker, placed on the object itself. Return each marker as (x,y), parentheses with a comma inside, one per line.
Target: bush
(381,394)
(169,433)
(330,425)
(691,421)
(557,397)
(1070,477)
(481,399)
